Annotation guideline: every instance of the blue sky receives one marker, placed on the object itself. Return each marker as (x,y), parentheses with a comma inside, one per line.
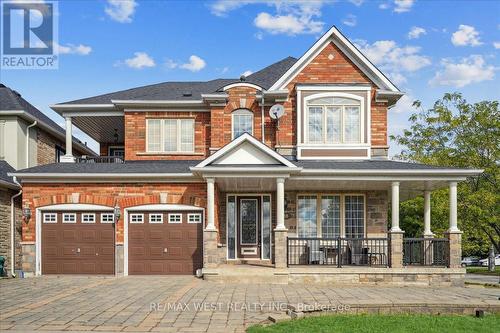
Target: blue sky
(426,47)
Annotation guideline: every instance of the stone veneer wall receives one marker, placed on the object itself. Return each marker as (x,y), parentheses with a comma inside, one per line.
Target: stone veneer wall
(5,195)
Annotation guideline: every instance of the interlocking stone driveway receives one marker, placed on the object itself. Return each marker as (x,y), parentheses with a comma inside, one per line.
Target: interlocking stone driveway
(142,303)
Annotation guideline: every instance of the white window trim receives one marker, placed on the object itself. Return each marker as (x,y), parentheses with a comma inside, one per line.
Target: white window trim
(241,111)
(196,215)
(45,215)
(88,222)
(342,129)
(162,137)
(69,214)
(156,214)
(133,215)
(172,215)
(342,210)
(107,214)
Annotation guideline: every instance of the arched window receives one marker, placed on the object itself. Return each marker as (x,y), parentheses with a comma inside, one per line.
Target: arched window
(242,122)
(333,119)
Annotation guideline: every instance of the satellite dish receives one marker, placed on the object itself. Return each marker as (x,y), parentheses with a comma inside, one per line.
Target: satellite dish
(277,111)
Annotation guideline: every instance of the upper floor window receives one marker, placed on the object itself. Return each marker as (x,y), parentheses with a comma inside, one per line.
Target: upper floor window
(242,122)
(333,120)
(170,135)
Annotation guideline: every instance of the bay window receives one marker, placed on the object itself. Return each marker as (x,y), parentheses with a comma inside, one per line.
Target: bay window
(170,135)
(333,120)
(331,216)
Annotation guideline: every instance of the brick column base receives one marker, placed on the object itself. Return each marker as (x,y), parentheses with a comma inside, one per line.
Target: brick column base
(210,253)
(455,249)
(280,250)
(396,248)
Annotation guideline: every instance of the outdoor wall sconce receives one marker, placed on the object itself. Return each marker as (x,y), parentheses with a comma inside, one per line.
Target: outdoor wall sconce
(117,212)
(26,214)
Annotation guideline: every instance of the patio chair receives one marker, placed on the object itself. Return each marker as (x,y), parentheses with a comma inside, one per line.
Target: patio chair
(315,254)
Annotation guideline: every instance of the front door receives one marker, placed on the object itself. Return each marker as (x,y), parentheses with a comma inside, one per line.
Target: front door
(248,217)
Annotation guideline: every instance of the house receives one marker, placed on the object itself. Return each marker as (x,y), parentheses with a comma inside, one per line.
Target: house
(27,138)
(212,183)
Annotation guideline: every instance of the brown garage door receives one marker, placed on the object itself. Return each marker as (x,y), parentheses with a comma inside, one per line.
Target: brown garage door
(78,243)
(165,242)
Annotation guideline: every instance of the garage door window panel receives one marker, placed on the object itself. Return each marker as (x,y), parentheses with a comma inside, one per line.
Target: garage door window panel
(194,218)
(136,218)
(156,218)
(175,218)
(107,218)
(49,218)
(88,218)
(69,218)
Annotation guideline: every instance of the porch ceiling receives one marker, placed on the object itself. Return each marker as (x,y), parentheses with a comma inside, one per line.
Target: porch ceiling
(102,129)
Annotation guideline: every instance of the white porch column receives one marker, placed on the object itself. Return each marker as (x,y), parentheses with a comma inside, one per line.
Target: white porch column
(280,204)
(395,207)
(427,214)
(210,204)
(69,142)
(453,208)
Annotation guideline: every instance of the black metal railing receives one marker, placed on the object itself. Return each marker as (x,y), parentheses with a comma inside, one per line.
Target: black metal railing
(426,252)
(99,159)
(338,251)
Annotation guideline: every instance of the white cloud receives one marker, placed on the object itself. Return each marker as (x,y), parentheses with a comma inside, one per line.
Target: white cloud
(259,35)
(139,61)
(404,105)
(121,10)
(74,49)
(469,70)
(291,17)
(247,73)
(350,20)
(383,5)
(397,78)
(416,32)
(402,6)
(170,64)
(496,45)
(195,64)
(357,2)
(465,35)
(393,58)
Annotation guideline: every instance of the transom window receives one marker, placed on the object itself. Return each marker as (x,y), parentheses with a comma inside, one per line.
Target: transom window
(170,135)
(333,120)
(155,218)
(242,122)
(326,215)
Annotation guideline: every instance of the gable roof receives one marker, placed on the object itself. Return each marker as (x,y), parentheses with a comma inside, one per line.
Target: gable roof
(11,100)
(238,142)
(5,179)
(270,74)
(335,36)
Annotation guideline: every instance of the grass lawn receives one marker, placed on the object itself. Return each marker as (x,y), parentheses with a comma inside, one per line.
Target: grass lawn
(483,270)
(385,324)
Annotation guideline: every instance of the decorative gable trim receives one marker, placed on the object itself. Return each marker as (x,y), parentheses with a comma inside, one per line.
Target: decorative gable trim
(240,140)
(335,36)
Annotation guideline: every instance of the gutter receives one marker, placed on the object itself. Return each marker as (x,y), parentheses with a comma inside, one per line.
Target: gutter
(12,230)
(28,143)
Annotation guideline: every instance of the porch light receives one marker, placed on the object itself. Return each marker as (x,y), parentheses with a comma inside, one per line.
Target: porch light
(26,214)
(117,213)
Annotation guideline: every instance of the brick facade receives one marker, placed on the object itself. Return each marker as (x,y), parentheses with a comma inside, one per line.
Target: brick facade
(108,194)
(5,196)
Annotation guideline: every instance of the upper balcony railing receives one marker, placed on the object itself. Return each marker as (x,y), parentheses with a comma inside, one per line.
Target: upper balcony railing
(338,251)
(99,159)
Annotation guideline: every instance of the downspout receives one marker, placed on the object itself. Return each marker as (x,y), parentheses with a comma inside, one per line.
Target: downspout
(28,143)
(13,230)
(262,116)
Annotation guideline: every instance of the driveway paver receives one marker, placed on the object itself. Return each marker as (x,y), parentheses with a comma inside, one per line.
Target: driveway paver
(187,304)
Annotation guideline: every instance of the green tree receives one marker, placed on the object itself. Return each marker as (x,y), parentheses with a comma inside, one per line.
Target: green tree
(455,133)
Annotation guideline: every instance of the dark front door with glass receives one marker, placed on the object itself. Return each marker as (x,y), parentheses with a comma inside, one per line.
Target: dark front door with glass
(249,227)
